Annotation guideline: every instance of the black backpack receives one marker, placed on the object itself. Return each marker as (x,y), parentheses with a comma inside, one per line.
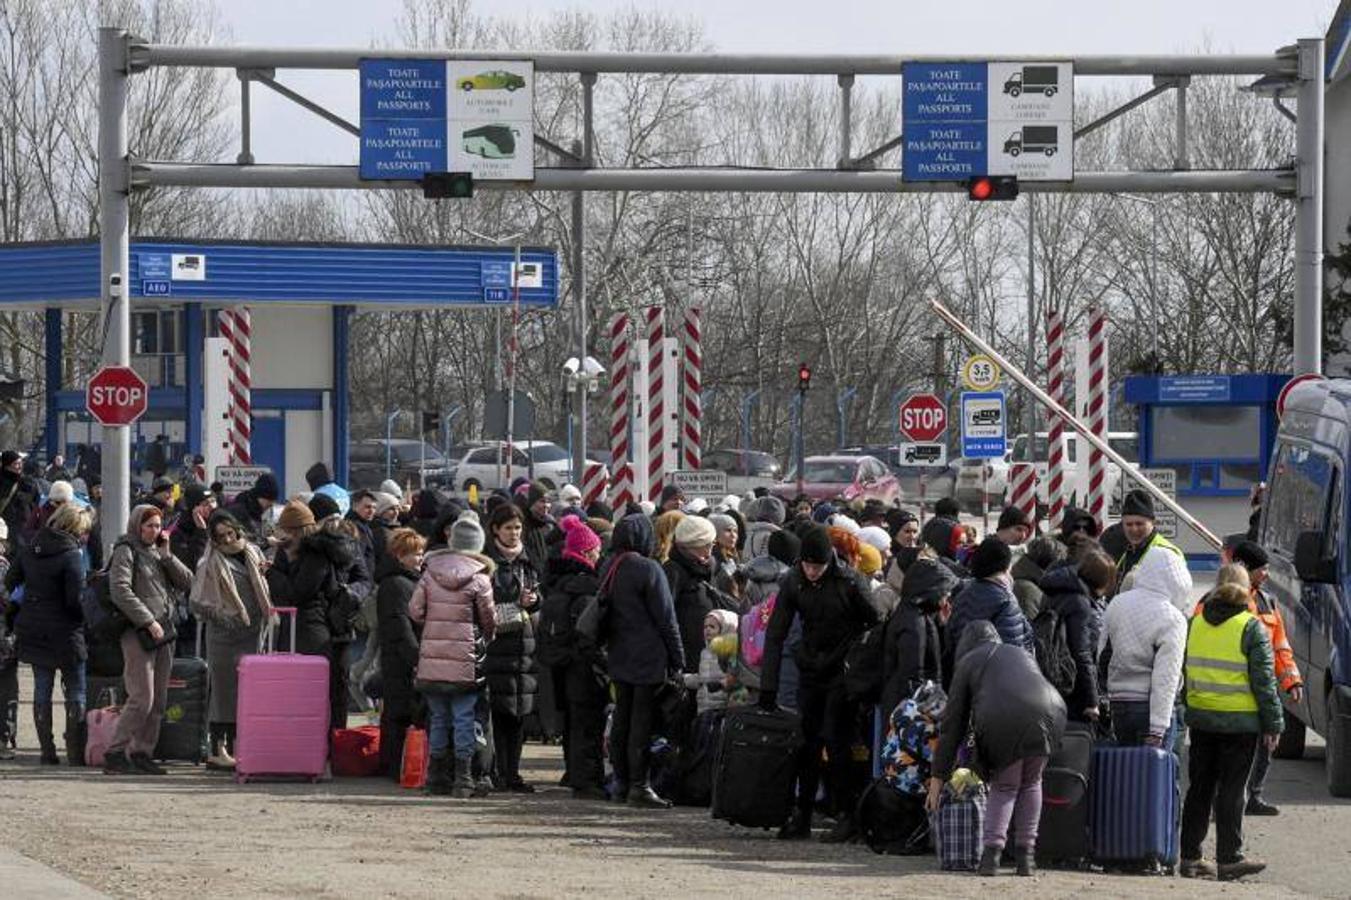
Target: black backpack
(863,665)
(103,621)
(1053,649)
(555,636)
(891,822)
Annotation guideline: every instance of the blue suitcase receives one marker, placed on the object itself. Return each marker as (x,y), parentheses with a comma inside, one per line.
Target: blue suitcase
(1134,808)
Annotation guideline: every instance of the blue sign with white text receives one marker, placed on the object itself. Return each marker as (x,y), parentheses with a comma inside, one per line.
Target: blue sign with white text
(155,266)
(156,288)
(1194,389)
(945,108)
(496,295)
(403,118)
(495,274)
(402,148)
(983,424)
(403,89)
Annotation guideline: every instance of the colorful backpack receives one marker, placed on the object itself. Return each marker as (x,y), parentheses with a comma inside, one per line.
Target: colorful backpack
(754,625)
(912,739)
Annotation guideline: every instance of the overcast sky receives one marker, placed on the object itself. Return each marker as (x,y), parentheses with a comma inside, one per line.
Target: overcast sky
(998,28)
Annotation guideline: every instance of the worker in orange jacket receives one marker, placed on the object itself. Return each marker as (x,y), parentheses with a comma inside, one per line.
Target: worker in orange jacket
(1252,557)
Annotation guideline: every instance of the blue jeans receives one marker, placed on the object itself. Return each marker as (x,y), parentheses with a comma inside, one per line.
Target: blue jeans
(452,711)
(1130,723)
(72,685)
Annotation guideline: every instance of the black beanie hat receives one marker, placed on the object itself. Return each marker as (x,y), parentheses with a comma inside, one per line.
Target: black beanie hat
(1250,555)
(669,493)
(323,506)
(1138,503)
(816,545)
(991,557)
(266,487)
(785,547)
(947,508)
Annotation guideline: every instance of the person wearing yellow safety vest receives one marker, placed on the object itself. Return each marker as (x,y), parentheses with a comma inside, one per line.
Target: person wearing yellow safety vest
(1137,527)
(1231,703)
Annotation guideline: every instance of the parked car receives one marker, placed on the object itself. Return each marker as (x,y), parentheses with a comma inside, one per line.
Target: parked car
(842,477)
(1127,443)
(970,484)
(409,462)
(543,461)
(746,469)
(939,481)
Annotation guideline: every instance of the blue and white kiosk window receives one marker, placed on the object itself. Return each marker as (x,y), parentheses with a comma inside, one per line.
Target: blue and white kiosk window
(1214,449)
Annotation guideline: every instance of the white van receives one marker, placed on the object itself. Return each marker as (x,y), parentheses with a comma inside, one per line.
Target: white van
(1127,443)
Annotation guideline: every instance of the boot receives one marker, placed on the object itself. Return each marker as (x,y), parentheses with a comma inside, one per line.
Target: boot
(42,721)
(643,795)
(76,733)
(1259,807)
(143,764)
(463,787)
(989,862)
(438,774)
(797,828)
(1233,871)
(483,784)
(115,762)
(220,758)
(1025,859)
(845,831)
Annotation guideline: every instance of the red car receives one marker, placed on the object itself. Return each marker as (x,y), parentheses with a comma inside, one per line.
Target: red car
(842,477)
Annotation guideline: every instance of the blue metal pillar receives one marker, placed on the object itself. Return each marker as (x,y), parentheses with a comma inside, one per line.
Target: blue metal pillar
(342,329)
(52,337)
(194,334)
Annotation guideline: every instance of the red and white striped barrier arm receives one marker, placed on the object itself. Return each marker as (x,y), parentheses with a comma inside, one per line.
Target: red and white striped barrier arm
(1023,488)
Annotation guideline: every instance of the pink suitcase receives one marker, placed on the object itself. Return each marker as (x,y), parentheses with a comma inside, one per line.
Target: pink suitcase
(282,713)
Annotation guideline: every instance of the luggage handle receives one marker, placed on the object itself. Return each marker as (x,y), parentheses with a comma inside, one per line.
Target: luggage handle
(271,631)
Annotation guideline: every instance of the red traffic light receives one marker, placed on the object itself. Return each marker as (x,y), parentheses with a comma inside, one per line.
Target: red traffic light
(804,377)
(992,187)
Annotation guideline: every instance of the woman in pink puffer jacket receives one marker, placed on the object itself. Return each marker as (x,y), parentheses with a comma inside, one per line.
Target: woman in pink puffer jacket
(453,602)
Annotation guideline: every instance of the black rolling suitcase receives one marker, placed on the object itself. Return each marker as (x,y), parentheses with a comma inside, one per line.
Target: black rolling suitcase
(1062,836)
(183,733)
(755,770)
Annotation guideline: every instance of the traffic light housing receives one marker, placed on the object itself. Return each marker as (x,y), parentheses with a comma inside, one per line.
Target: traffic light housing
(992,187)
(447,185)
(804,377)
(431,422)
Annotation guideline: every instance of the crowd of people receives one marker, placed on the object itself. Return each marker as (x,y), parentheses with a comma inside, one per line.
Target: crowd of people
(623,631)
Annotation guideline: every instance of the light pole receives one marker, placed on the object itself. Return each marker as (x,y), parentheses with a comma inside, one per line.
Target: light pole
(746,403)
(841,401)
(389,441)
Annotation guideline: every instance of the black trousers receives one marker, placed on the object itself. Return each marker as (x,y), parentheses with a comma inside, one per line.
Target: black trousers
(631,733)
(1217,769)
(585,722)
(827,722)
(508,740)
(400,707)
(9,703)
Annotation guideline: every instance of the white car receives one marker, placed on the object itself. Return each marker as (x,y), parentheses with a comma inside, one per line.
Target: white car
(969,482)
(543,461)
(1127,443)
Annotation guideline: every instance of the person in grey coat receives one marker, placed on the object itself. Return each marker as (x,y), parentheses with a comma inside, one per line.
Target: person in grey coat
(142,575)
(231,598)
(1018,718)
(643,641)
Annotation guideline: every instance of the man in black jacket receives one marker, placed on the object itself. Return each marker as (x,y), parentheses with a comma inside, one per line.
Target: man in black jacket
(249,506)
(832,600)
(18,496)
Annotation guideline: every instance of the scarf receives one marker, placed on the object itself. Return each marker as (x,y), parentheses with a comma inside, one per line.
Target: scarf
(509,553)
(214,595)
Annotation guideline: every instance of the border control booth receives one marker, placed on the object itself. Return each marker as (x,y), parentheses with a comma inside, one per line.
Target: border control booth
(1216,432)
(301,296)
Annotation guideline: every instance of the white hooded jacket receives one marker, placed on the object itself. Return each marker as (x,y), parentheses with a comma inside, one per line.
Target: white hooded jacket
(1147,630)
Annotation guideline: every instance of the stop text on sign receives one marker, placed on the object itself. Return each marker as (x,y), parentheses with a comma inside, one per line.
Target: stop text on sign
(116,395)
(923,418)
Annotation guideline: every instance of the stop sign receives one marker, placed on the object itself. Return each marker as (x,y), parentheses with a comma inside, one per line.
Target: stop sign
(924,418)
(116,395)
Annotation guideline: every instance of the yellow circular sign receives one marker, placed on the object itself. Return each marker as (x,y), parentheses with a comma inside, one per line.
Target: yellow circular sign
(980,373)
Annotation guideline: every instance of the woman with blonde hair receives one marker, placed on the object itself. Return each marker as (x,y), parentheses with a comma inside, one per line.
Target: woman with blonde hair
(49,628)
(666,527)
(230,598)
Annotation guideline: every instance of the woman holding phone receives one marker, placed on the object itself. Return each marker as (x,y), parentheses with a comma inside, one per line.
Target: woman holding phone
(141,574)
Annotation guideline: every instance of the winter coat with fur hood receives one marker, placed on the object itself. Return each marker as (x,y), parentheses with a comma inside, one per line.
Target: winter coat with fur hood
(453,602)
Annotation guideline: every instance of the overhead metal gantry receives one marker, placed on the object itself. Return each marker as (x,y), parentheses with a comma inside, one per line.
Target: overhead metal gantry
(1295,71)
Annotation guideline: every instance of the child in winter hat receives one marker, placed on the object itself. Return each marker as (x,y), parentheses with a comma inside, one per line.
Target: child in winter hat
(466,534)
(578,540)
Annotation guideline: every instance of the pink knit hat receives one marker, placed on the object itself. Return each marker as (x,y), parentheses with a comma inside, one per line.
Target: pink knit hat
(580,539)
